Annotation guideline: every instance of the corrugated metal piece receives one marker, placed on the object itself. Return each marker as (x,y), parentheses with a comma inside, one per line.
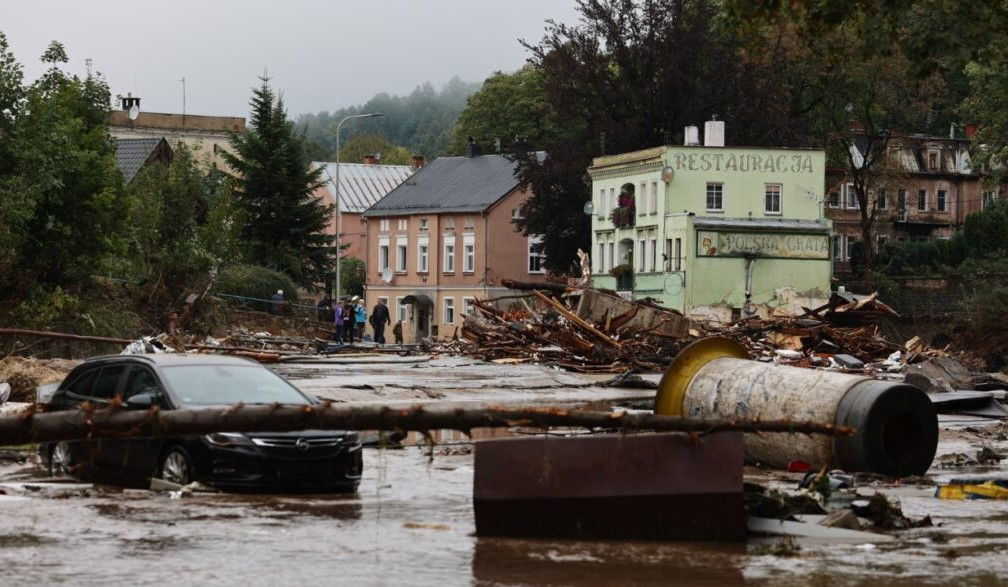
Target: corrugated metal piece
(613,486)
(362,185)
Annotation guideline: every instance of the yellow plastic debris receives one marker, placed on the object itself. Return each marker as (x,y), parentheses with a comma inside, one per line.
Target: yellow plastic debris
(979,489)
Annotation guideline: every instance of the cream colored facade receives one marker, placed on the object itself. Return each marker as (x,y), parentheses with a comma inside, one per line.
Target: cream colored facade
(208,136)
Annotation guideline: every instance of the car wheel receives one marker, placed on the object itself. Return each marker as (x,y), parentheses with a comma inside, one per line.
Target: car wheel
(177,466)
(62,462)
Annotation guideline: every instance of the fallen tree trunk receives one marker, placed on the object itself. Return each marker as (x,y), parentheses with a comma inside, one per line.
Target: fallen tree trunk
(120,422)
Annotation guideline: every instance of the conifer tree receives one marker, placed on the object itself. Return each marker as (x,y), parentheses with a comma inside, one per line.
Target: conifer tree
(285,223)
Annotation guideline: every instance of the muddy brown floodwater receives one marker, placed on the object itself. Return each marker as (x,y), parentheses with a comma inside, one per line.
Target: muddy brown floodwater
(412,521)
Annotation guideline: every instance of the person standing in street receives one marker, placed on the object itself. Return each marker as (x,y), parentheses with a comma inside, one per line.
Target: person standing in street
(379,319)
(348,320)
(361,314)
(277,305)
(338,310)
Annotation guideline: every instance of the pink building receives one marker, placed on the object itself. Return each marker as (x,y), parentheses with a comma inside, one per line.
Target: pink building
(444,238)
(361,185)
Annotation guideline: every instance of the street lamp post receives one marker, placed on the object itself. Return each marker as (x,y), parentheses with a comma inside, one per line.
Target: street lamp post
(339,214)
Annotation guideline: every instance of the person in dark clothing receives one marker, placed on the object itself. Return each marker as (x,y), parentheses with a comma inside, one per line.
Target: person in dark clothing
(324,308)
(349,320)
(379,318)
(277,305)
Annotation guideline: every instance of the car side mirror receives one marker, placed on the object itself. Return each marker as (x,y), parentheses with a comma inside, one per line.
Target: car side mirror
(141,401)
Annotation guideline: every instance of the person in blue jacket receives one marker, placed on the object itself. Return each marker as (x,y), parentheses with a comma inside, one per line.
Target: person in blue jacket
(360,312)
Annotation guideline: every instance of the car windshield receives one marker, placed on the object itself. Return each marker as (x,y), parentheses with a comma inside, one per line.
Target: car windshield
(216,385)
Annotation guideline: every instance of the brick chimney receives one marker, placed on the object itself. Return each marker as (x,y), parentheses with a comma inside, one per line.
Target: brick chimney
(128,101)
(971,129)
(371,159)
(418,162)
(472,149)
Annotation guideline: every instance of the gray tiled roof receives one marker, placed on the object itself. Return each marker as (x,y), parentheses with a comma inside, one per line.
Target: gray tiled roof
(361,185)
(451,184)
(131,154)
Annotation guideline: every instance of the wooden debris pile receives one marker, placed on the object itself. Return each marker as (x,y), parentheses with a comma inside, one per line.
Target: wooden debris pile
(542,328)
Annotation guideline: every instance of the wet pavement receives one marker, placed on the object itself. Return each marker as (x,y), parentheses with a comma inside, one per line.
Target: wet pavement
(412,520)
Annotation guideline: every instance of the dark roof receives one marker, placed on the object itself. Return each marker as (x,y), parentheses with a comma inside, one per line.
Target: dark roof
(451,184)
(133,154)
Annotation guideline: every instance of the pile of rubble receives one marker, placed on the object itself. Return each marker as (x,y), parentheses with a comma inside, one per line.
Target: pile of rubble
(589,330)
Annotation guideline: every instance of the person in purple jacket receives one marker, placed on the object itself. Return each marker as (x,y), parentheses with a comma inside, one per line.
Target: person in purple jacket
(340,321)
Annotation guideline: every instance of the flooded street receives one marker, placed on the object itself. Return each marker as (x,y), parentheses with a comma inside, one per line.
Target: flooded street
(412,521)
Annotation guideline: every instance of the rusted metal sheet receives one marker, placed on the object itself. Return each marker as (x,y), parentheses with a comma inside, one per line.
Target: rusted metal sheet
(641,486)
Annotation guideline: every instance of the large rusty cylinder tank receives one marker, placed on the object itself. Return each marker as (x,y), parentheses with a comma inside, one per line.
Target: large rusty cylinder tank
(895,423)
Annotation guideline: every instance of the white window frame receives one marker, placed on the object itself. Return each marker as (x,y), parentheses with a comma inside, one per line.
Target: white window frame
(849,247)
(641,251)
(850,200)
(448,309)
(678,254)
(402,250)
(449,224)
(468,306)
(768,194)
(653,206)
(881,199)
(424,224)
(533,240)
(922,202)
(600,260)
(383,224)
(423,254)
(642,199)
(942,200)
(468,253)
(838,247)
(611,241)
(986,199)
(714,195)
(653,257)
(830,203)
(383,253)
(612,202)
(448,264)
(601,208)
(402,310)
(403,223)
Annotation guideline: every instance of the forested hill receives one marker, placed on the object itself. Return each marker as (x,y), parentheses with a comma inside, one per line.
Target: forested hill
(421,121)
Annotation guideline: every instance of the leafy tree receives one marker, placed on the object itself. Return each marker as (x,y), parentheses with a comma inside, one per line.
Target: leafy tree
(629,76)
(73,204)
(509,106)
(987,231)
(352,275)
(361,145)
(284,224)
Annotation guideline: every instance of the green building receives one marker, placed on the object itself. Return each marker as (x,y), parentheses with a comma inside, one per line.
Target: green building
(712,231)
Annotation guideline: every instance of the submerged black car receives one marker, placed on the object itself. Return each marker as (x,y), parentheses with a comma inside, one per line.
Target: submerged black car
(307,460)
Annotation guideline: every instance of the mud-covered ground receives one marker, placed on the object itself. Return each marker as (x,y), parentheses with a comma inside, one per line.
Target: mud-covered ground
(412,521)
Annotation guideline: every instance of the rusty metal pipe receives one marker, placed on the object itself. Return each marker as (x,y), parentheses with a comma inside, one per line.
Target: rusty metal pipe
(896,425)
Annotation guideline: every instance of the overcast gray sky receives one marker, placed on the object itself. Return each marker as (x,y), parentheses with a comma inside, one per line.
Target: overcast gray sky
(322,55)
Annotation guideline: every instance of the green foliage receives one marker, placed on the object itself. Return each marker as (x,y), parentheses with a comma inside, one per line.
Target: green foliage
(59,164)
(421,122)
(985,308)
(361,145)
(352,276)
(285,224)
(922,257)
(987,231)
(630,75)
(508,106)
(259,283)
(93,312)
